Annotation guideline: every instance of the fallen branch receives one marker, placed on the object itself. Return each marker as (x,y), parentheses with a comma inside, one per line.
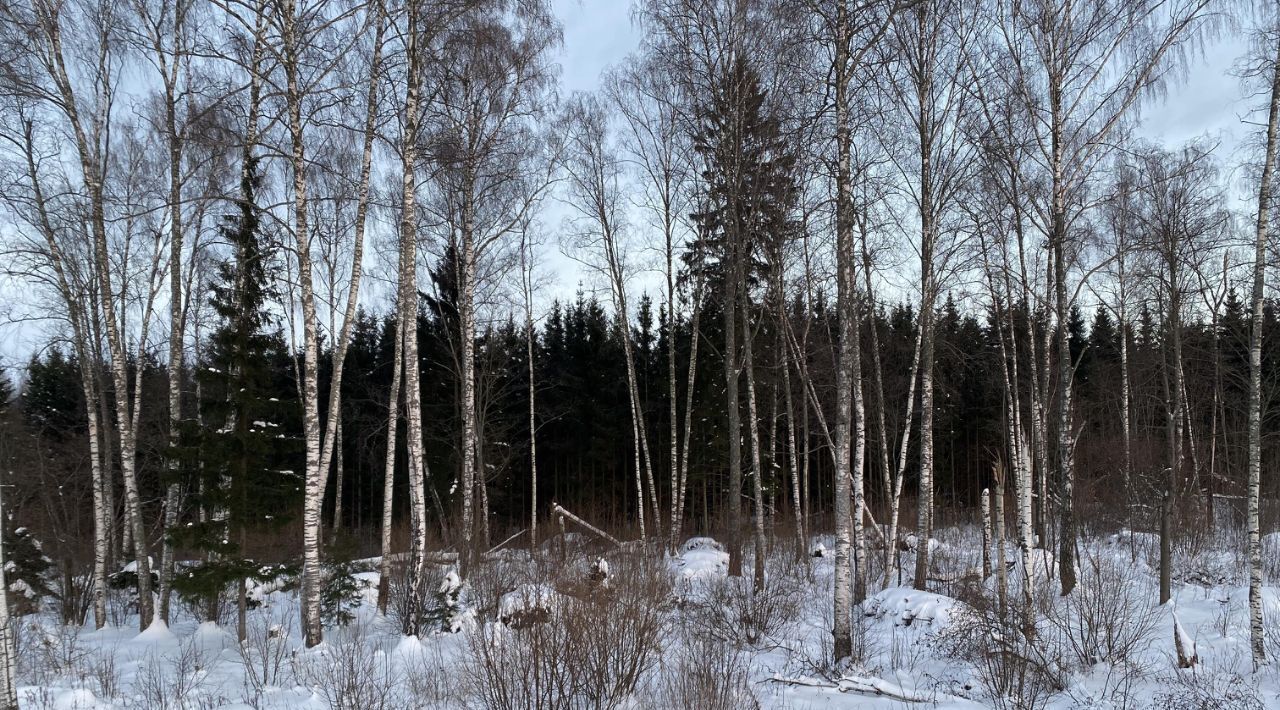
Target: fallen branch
(556,509)
(864,685)
(503,544)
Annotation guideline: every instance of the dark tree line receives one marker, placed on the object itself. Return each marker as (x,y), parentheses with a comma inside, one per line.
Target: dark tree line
(583,436)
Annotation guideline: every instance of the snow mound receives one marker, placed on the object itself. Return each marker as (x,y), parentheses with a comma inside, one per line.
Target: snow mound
(701,543)
(912,542)
(133,566)
(528,604)
(74,700)
(409,646)
(903,606)
(157,632)
(701,557)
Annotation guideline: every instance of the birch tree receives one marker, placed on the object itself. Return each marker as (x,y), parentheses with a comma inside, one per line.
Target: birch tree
(1269,68)
(649,104)
(491,170)
(59,262)
(1077,71)
(8,648)
(593,176)
(163,34)
(77,85)
(930,90)
(850,31)
(1181,218)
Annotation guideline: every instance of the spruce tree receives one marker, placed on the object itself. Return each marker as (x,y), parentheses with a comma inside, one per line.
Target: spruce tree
(242,457)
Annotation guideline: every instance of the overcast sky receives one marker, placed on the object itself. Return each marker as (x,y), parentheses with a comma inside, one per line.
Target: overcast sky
(599,33)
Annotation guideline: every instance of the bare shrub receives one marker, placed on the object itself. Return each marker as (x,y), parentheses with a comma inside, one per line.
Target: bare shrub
(732,610)
(490,580)
(350,673)
(1201,690)
(56,648)
(75,591)
(1017,665)
(265,652)
(1271,633)
(704,673)
(172,681)
(429,679)
(1107,618)
(102,668)
(591,652)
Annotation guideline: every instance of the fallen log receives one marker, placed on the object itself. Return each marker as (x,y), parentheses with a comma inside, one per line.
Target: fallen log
(557,509)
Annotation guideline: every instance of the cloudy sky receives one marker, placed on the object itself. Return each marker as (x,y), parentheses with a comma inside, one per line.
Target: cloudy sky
(599,33)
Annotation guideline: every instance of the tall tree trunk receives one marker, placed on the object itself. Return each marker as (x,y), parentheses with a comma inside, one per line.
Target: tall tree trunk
(176,315)
(389,470)
(526,276)
(8,647)
(690,381)
(858,465)
(407,310)
(292,48)
(731,370)
(1257,639)
(1174,422)
(467,323)
(673,403)
(93,172)
(1126,415)
(846,312)
(924,504)
(793,454)
(753,423)
(1066,439)
(102,507)
(643,462)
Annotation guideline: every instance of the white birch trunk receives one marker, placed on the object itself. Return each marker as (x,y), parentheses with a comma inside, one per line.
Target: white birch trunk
(389,472)
(292,48)
(526,276)
(986,533)
(757,475)
(8,647)
(102,511)
(407,310)
(845,310)
(92,171)
(1257,639)
(342,338)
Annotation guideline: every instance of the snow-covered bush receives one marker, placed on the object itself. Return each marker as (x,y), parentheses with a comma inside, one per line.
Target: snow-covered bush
(1198,690)
(449,613)
(703,673)
(26,570)
(590,652)
(265,652)
(350,673)
(1017,664)
(732,610)
(1108,617)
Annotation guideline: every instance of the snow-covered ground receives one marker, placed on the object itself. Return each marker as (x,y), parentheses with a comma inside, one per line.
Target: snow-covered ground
(614,629)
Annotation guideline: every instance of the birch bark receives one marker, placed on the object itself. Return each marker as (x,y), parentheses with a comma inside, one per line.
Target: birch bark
(1257,639)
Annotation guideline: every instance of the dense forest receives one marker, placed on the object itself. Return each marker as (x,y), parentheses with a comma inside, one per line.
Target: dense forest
(584,443)
(317,282)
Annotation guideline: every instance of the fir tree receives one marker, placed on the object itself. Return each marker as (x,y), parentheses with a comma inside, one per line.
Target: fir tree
(748,182)
(240,460)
